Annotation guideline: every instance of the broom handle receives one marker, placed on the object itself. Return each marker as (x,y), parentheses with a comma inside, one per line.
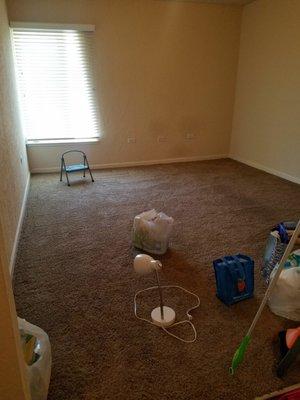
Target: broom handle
(286,254)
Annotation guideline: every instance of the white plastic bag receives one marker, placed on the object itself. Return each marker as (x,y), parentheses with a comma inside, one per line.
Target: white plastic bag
(285,298)
(39,372)
(151,231)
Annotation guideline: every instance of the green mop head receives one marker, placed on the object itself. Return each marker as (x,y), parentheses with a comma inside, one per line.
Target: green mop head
(239,354)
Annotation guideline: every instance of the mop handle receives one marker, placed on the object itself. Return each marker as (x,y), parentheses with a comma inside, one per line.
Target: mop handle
(285,256)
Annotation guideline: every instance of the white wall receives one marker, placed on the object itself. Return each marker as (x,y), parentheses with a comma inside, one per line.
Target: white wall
(163,68)
(13,159)
(169,68)
(266,124)
(13,385)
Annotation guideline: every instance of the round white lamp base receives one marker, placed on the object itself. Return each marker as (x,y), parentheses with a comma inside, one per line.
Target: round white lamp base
(169,316)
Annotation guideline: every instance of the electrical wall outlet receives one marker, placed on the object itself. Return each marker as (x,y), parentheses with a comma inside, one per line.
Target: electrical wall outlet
(162,139)
(189,136)
(131,140)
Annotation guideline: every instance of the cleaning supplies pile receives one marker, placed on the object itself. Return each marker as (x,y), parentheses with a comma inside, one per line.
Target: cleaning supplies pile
(285,298)
(241,350)
(277,242)
(151,231)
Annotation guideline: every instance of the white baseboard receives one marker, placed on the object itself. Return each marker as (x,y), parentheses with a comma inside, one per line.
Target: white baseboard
(19,227)
(266,169)
(136,163)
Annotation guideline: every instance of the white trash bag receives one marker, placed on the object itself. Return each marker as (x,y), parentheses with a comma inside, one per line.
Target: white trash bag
(39,371)
(151,231)
(285,298)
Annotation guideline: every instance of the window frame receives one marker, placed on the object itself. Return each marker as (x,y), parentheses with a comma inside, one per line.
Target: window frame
(54,26)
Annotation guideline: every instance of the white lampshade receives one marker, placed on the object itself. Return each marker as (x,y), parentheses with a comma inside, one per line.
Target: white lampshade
(161,316)
(144,264)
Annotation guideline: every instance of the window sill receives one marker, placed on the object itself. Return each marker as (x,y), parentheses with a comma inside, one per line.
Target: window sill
(58,142)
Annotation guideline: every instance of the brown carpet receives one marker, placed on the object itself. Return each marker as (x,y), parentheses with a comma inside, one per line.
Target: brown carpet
(74,278)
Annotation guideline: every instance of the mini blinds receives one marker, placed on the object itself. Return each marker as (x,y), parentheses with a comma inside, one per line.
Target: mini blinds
(55,82)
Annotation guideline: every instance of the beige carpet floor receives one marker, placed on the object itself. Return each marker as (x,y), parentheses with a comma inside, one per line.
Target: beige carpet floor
(74,278)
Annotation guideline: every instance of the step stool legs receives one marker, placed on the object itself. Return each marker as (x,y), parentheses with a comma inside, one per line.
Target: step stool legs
(91,175)
(87,164)
(67,178)
(61,169)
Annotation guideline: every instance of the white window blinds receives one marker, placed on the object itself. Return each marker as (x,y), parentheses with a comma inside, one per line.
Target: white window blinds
(54,68)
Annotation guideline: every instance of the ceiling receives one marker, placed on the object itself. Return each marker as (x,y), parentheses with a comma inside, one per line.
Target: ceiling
(241,2)
(227,1)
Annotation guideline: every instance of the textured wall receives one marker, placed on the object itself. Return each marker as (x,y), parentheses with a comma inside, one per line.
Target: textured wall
(12,382)
(13,177)
(266,128)
(14,174)
(164,68)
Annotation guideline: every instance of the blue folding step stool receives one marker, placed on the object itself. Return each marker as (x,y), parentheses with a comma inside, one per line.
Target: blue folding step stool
(74,167)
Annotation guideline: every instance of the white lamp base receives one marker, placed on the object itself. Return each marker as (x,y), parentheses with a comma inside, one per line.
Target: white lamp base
(169,316)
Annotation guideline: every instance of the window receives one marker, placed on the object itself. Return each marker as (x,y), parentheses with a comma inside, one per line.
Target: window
(55,81)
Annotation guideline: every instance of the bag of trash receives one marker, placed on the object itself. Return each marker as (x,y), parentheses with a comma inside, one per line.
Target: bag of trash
(285,298)
(37,354)
(151,231)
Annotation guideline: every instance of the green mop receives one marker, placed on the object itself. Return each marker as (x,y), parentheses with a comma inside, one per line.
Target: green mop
(240,352)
